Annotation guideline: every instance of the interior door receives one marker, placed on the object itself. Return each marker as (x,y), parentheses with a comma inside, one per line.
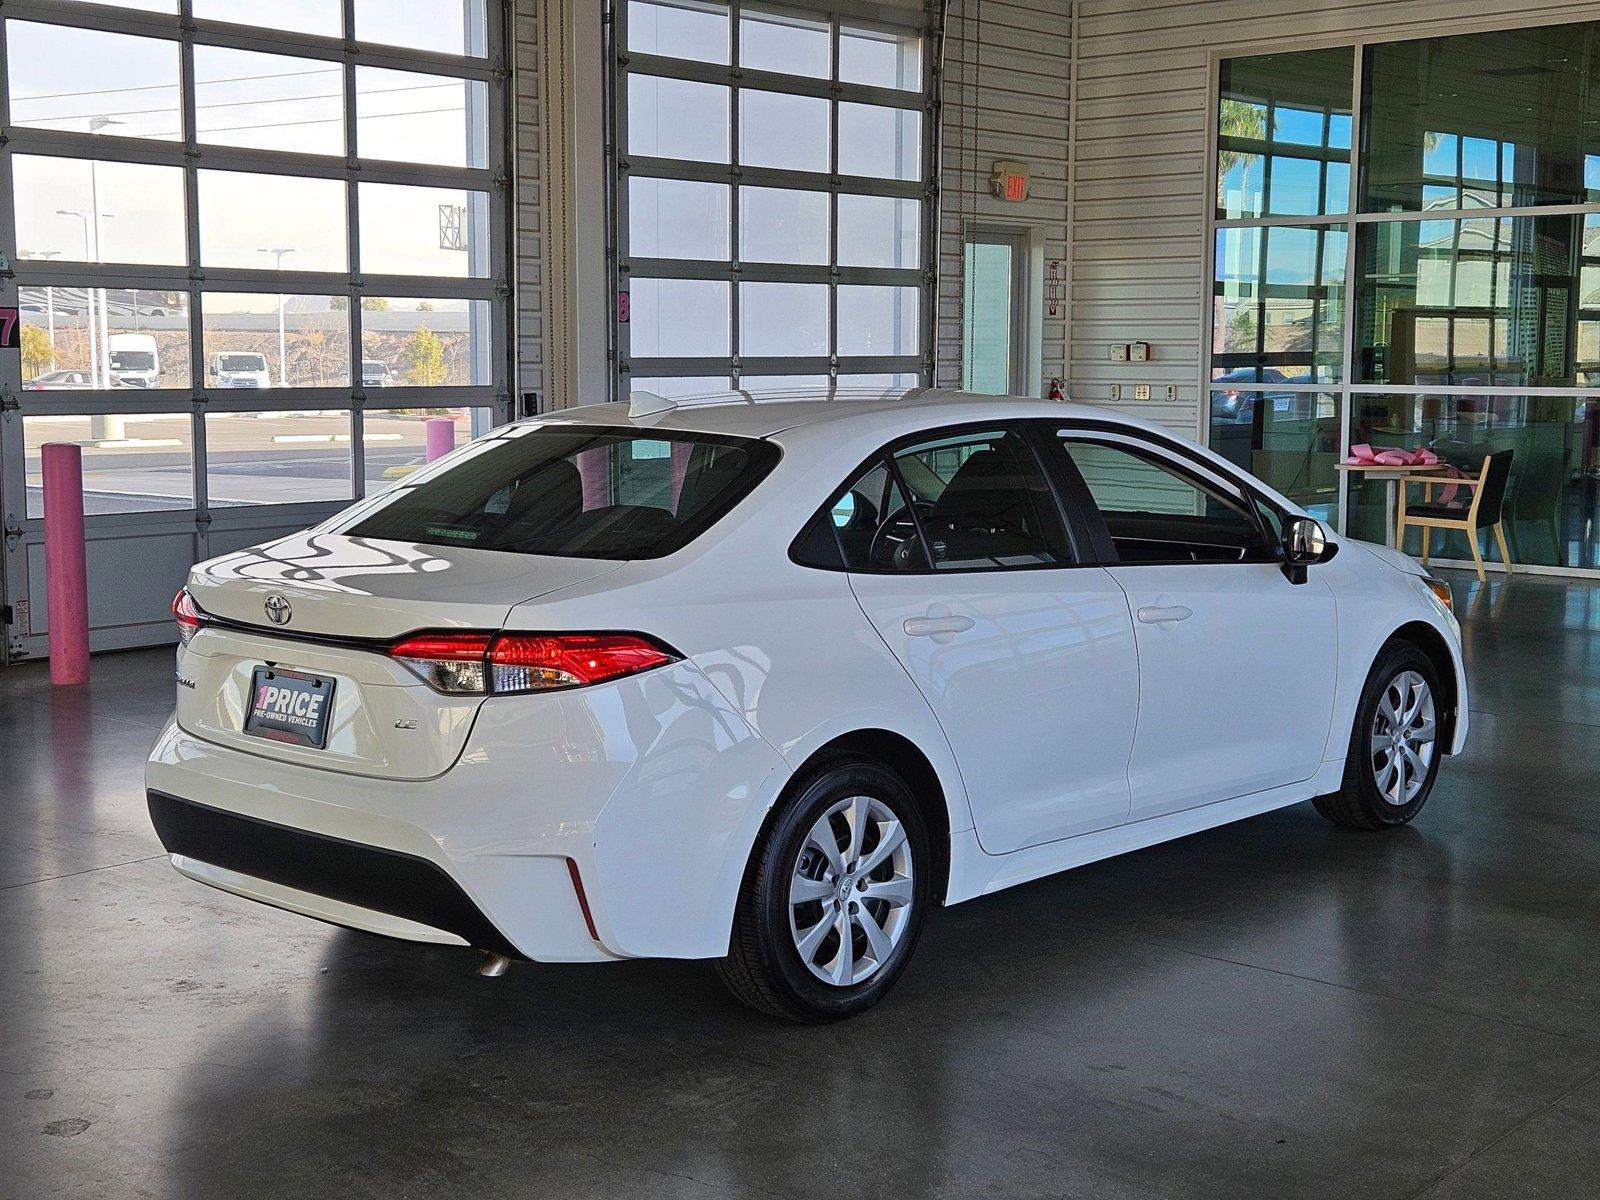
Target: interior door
(962,561)
(1236,663)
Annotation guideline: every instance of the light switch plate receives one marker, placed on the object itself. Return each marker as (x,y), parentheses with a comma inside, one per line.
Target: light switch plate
(1116,391)
(1172,393)
(1141,391)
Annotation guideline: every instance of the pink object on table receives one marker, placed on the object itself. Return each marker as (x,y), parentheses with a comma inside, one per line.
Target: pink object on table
(66,572)
(441,436)
(1365,455)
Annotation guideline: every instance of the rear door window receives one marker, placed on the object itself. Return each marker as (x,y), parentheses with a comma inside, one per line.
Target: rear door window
(962,501)
(576,491)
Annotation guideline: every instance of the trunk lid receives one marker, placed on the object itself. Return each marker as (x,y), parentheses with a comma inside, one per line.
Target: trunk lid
(345,597)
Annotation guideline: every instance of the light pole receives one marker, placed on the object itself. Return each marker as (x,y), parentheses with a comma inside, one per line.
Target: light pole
(90,254)
(96,124)
(283,360)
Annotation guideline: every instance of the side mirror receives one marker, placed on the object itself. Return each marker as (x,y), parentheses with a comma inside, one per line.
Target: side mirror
(1305,543)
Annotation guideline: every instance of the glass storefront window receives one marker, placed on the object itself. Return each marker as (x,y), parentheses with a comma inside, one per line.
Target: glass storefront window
(677,218)
(443,26)
(272,222)
(676,318)
(411,342)
(90,210)
(395,441)
(132,463)
(1287,439)
(1456,294)
(1482,120)
(1278,304)
(405,116)
(1480,301)
(411,230)
(268,101)
(1552,508)
(1283,135)
(76,339)
(256,340)
(678,30)
(277,457)
(133,91)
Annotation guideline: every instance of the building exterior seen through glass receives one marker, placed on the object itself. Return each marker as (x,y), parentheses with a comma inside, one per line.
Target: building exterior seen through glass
(1455,304)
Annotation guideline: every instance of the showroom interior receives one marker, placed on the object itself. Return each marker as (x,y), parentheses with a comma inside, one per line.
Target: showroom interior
(257,258)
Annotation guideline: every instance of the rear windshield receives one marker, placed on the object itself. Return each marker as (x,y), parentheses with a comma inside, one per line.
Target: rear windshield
(577,491)
(242,362)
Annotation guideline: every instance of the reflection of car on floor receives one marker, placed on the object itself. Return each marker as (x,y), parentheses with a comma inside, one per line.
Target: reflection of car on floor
(766,682)
(376,373)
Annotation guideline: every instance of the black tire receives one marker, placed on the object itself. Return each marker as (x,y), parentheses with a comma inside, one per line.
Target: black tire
(764,967)
(1360,803)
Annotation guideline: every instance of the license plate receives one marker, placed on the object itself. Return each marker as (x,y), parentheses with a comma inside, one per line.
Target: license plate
(289,706)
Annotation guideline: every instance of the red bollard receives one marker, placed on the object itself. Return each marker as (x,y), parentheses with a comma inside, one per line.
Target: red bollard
(65,571)
(441,436)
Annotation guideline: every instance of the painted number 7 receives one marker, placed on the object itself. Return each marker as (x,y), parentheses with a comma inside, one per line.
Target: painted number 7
(8,329)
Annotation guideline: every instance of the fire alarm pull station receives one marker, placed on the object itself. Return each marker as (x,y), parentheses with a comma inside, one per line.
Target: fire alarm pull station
(1009,180)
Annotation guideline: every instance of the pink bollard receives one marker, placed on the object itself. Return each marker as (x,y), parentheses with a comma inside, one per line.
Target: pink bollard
(441,436)
(65,571)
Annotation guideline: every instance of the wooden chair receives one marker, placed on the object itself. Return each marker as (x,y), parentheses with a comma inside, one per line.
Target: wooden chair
(1480,511)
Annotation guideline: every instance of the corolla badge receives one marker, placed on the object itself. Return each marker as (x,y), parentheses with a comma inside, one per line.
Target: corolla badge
(278,610)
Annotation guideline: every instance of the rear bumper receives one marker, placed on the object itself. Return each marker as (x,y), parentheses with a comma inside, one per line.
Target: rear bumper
(382,891)
(651,789)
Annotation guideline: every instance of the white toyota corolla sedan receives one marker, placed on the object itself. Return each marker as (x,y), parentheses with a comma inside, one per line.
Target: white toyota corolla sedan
(763,681)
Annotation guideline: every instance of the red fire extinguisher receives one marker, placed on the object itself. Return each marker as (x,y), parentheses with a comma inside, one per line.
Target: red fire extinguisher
(1055,389)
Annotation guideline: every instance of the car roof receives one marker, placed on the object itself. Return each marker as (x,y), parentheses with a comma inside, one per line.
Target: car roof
(767,414)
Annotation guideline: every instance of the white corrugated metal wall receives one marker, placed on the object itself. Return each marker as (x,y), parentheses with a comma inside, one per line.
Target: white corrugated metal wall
(1006,95)
(1142,179)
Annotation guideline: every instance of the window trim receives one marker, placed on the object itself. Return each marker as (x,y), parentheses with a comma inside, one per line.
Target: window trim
(1079,533)
(1164,452)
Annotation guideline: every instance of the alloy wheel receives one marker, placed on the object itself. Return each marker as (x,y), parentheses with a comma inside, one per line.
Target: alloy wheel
(850,892)
(1403,739)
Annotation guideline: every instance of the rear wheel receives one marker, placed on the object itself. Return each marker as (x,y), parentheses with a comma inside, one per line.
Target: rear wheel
(834,897)
(1394,746)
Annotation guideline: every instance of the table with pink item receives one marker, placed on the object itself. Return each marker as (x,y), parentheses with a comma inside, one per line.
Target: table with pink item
(1392,465)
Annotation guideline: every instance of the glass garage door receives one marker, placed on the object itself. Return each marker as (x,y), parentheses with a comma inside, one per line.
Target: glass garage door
(254,253)
(772,199)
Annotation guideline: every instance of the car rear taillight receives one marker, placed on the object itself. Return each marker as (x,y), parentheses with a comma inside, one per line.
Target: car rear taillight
(188,614)
(477,664)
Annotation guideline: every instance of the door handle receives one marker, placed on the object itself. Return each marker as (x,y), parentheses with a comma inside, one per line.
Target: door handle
(1164,614)
(935,626)
(1164,611)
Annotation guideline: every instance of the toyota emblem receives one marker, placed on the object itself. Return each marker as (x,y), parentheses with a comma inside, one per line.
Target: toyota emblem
(278,610)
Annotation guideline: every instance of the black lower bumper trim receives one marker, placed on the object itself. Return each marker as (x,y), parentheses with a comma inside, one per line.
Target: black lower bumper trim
(385,881)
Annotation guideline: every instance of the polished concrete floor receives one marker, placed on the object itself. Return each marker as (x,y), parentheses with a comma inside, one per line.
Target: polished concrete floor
(1279,1008)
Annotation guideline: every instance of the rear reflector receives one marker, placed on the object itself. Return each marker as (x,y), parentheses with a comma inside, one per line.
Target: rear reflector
(480,663)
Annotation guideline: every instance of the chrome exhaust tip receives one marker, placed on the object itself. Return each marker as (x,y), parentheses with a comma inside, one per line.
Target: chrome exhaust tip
(494,965)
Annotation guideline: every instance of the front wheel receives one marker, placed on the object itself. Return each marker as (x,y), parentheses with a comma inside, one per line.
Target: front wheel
(1394,746)
(834,897)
